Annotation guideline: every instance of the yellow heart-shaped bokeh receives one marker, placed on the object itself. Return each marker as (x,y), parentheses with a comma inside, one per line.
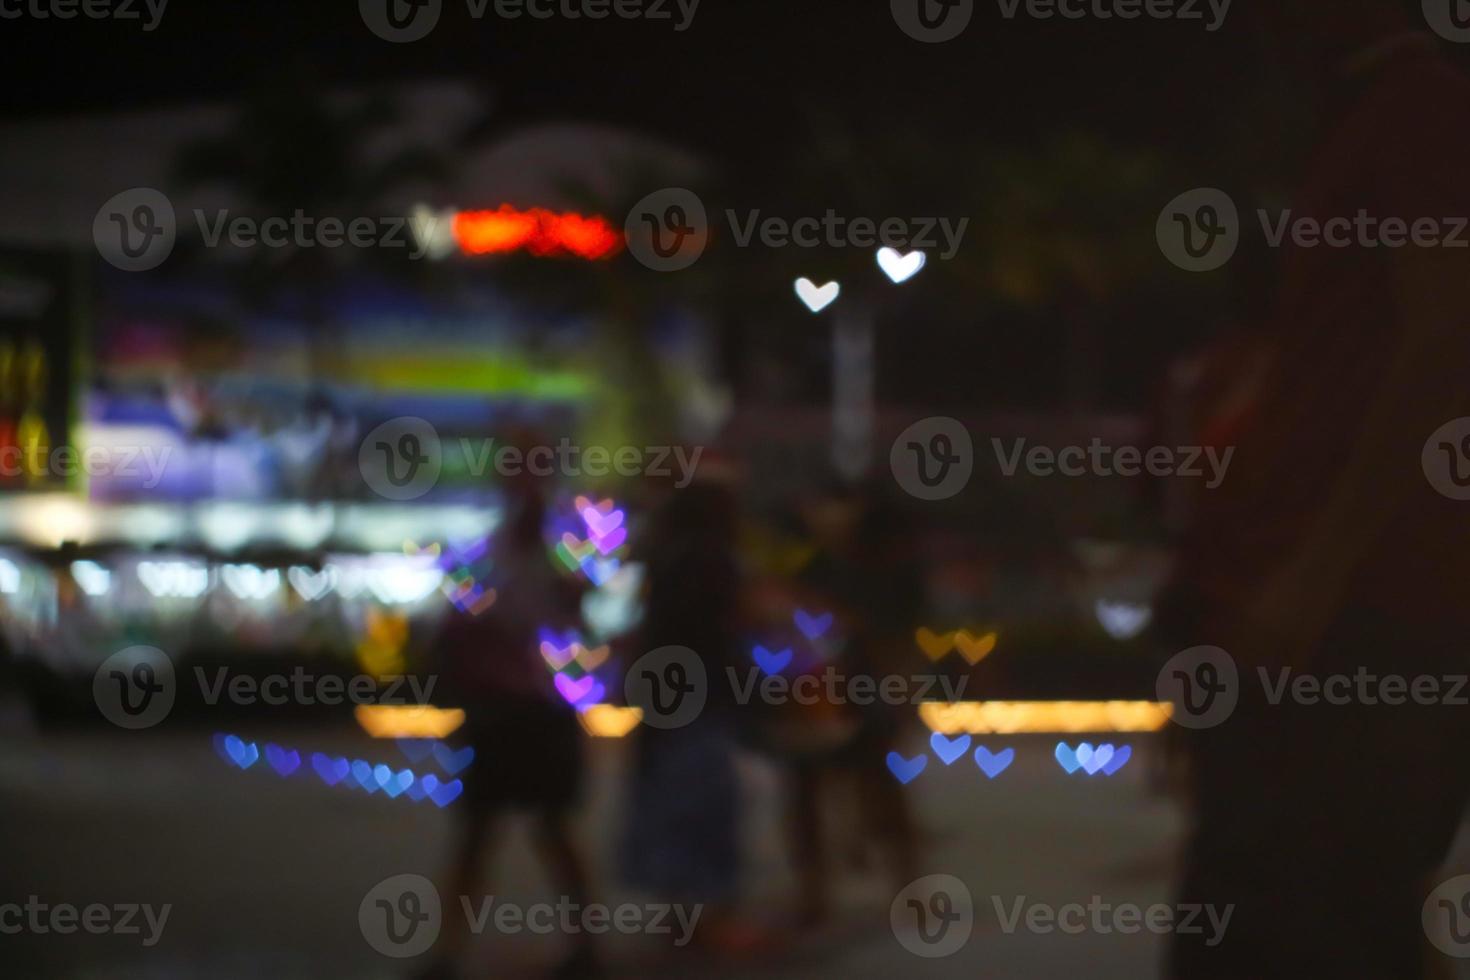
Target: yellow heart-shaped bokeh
(975,648)
(934,645)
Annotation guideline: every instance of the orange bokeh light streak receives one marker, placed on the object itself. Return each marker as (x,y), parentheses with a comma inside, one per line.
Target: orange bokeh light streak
(541,232)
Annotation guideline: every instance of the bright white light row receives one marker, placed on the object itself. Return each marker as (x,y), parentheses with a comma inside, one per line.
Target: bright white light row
(392,579)
(48,520)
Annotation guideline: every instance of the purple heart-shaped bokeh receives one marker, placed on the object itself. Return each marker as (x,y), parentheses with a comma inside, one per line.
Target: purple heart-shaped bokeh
(574,690)
(240,752)
(906,770)
(451,761)
(599,570)
(611,542)
(1067,759)
(442,794)
(390,782)
(993,764)
(600,524)
(283,761)
(772,663)
(1118,761)
(949,749)
(363,773)
(416,749)
(332,771)
(812,626)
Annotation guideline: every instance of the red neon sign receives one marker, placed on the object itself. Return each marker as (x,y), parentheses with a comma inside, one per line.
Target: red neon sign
(541,232)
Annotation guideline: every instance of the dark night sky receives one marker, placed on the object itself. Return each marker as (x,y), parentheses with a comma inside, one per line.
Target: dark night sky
(728,85)
(741,87)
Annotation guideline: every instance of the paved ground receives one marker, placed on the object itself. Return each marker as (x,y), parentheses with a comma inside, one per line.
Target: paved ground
(266,875)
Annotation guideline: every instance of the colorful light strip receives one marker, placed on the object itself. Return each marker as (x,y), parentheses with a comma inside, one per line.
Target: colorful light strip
(1044,717)
(408,721)
(609,720)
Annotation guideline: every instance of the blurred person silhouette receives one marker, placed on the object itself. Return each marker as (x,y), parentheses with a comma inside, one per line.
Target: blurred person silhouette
(1327,551)
(681,839)
(528,744)
(864,572)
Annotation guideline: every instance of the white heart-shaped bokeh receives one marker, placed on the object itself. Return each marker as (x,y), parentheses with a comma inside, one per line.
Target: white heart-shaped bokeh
(900,268)
(174,579)
(312,585)
(250,581)
(1122,620)
(817,298)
